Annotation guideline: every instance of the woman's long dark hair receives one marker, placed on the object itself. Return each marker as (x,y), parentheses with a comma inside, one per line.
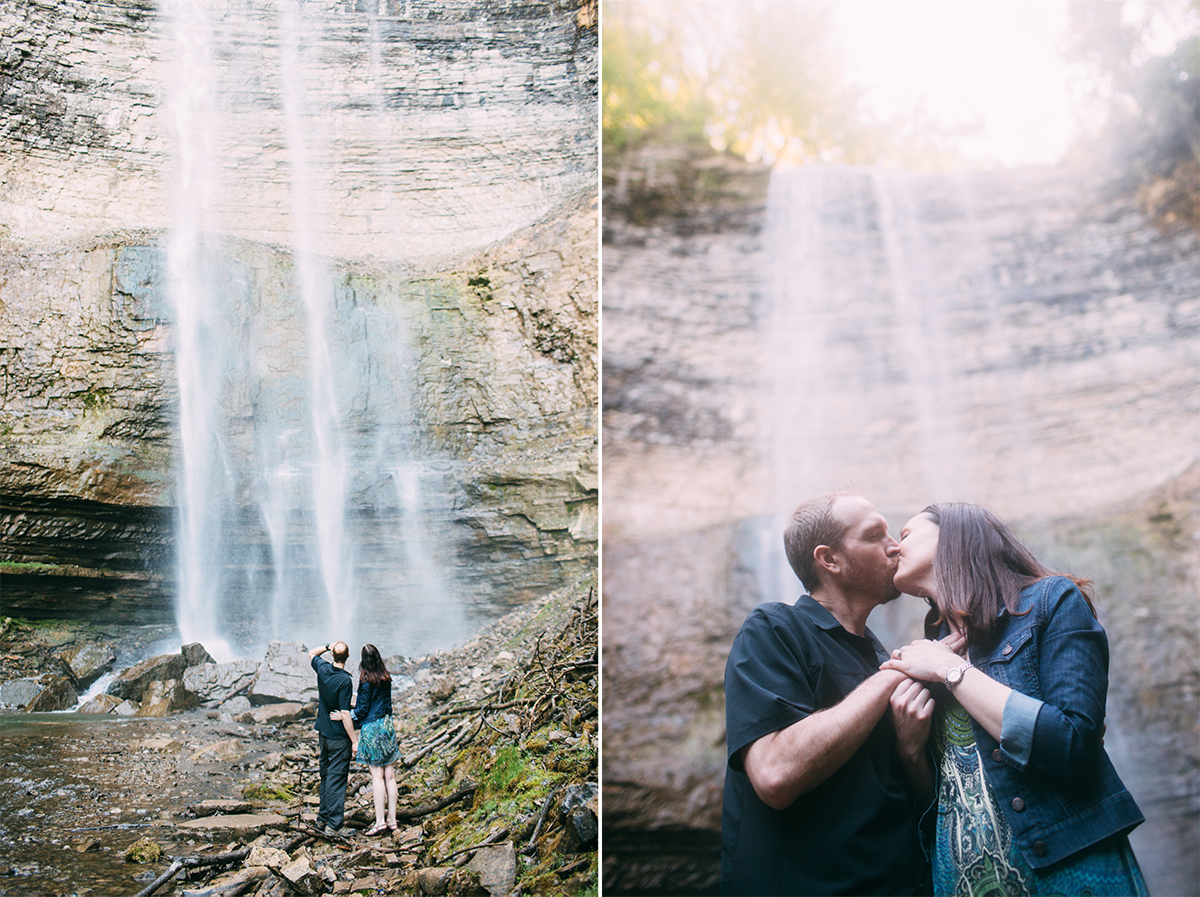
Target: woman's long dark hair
(979,567)
(371,668)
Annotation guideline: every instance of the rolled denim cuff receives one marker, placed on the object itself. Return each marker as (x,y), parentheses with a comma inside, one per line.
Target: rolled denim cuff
(1016,728)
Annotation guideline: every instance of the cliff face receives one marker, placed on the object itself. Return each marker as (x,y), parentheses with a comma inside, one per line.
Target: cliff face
(443,157)
(430,128)
(1008,338)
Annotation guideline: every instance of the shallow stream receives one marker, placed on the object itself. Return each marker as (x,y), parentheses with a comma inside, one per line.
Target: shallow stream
(77,790)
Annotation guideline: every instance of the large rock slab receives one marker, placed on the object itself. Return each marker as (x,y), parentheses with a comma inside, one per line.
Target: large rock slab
(132,683)
(286,675)
(17,693)
(88,662)
(57,693)
(168,696)
(238,825)
(100,704)
(216,683)
(497,868)
(275,713)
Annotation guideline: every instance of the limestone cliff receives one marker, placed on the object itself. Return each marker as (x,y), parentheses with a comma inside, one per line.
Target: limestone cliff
(448,152)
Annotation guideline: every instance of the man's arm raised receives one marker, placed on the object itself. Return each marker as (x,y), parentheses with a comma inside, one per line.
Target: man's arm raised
(785,764)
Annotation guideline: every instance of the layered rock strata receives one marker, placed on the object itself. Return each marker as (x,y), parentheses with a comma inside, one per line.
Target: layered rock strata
(445,154)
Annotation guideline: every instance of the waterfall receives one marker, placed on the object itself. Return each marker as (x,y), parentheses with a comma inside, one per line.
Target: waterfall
(307,508)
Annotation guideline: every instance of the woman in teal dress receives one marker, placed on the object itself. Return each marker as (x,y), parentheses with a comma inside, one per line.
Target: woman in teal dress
(1028,802)
(377,741)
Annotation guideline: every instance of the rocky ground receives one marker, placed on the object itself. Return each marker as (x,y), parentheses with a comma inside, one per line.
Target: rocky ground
(498,782)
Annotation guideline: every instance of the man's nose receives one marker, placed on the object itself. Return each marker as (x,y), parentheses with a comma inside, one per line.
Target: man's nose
(893,547)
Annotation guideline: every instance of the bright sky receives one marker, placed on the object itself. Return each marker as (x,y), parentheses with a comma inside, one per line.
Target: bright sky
(997,61)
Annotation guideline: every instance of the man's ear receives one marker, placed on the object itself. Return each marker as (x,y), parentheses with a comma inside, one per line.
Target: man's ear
(826,559)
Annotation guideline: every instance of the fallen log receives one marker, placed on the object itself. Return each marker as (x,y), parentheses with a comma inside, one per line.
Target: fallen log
(193,862)
(418,812)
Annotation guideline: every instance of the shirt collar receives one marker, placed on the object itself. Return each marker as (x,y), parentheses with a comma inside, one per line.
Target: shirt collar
(817,612)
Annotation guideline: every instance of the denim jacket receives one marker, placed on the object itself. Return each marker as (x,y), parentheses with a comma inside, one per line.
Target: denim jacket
(1050,772)
(373,702)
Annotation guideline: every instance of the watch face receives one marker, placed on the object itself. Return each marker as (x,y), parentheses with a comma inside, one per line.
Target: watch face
(954,675)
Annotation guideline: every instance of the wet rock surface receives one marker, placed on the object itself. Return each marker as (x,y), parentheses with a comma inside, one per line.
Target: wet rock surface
(493,774)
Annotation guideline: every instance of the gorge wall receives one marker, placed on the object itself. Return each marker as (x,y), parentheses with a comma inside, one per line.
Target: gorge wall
(449,188)
(1020,339)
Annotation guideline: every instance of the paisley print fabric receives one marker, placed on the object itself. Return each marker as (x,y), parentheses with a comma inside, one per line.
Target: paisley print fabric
(974,853)
(377,743)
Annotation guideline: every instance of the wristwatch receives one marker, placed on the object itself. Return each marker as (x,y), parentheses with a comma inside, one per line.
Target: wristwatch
(955,675)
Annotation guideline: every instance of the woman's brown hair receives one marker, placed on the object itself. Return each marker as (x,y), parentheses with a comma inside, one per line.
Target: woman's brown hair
(371,668)
(979,567)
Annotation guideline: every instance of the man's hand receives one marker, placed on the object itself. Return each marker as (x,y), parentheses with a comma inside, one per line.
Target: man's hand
(911,707)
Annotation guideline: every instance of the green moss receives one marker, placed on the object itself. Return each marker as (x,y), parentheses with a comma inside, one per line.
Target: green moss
(268,791)
(143,851)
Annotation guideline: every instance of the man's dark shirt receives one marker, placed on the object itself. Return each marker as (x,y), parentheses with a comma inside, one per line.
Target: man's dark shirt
(334,688)
(856,832)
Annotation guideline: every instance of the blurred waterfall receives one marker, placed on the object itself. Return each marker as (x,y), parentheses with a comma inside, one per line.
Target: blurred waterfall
(306,510)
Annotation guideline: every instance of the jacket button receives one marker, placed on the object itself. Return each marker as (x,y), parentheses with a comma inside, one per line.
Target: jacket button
(996,756)
(1039,848)
(1007,650)
(1018,805)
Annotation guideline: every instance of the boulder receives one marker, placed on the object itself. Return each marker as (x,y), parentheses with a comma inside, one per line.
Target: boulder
(216,683)
(127,708)
(273,713)
(57,693)
(18,693)
(161,698)
(579,809)
(133,682)
(434,880)
(88,662)
(302,877)
(497,868)
(100,704)
(286,675)
(194,655)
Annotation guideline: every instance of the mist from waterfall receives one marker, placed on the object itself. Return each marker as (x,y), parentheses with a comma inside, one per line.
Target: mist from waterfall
(295,390)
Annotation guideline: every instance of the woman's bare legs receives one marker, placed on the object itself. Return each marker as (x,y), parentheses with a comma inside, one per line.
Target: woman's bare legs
(389,779)
(378,788)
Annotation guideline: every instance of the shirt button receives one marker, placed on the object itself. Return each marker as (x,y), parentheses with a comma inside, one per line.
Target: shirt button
(996,755)
(1039,848)
(1018,804)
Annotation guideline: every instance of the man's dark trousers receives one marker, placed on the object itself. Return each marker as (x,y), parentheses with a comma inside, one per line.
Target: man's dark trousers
(335,771)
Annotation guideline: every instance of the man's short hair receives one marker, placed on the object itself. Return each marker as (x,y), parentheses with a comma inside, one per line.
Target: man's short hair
(341,651)
(812,524)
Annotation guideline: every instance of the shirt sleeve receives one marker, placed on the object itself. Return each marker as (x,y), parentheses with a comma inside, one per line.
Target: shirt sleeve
(1061,734)
(345,692)
(362,704)
(766,683)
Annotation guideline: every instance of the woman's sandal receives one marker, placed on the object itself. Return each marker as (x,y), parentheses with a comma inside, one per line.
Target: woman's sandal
(378,829)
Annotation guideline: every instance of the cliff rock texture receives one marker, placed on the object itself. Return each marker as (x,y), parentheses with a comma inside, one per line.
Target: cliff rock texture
(1010,338)
(433,162)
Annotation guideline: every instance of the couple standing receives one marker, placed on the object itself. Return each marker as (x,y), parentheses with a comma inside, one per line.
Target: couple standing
(339,742)
(969,762)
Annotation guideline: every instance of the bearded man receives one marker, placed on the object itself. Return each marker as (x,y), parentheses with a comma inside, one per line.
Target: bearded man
(825,779)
